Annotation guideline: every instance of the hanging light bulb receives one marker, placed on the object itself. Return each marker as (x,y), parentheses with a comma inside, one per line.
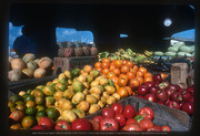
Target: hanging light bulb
(167,22)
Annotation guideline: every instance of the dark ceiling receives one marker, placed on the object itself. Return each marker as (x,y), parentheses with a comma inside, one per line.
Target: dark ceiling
(137,21)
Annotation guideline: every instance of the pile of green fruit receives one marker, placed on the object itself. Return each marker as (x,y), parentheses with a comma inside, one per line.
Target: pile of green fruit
(70,96)
(128,54)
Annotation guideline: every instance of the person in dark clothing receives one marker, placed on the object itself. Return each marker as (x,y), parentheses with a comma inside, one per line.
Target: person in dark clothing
(24,43)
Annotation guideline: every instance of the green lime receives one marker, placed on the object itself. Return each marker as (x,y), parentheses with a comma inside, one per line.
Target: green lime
(31,110)
(40,107)
(14,98)
(41,113)
(52,113)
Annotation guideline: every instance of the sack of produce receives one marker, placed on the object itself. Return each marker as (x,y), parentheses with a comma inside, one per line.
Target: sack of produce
(169,53)
(158,53)
(186,48)
(184,54)
(173,49)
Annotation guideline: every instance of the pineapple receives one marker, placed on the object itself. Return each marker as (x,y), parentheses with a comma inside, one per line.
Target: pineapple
(94,50)
(78,50)
(68,51)
(86,49)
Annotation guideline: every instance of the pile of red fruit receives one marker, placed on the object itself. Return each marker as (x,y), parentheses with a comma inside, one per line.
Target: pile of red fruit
(164,93)
(113,118)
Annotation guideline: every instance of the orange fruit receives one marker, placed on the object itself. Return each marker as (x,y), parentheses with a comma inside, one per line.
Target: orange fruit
(115,79)
(107,60)
(140,79)
(124,69)
(134,83)
(112,67)
(118,63)
(135,67)
(130,75)
(105,71)
(130,64)
(147,74)
(123,92)
(110,74)
(97,64)
(139,73)
(129,90)
(148,79)
(105,65)
(124,62)
(116,71)
(143,70)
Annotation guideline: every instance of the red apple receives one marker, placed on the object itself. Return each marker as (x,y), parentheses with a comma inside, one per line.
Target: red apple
(174,105)
(62,125)
(173,87)
(166,83)
(162,86)
(149,84)
(156,84)
(150,97)
(95,125)
(109,124)
(81,124)
(167,102)
(131,121)
(132,127)
(129,111)
(160,102)
(153,89)
(191,100)
(155,128)
(186,96)
(188,107)
(120,119)
(142,90)
(191,90)
(169,91)
(176,97)
(108,112)
(41,127)
(157,78)
(162,95)
(117,108)
(98,118)
(46,121)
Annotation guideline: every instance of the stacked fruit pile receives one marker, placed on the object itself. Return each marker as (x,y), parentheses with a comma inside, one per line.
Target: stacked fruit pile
(70,96)
(113,118)
(128,54)
(68,49)
(28,66)
(164,93)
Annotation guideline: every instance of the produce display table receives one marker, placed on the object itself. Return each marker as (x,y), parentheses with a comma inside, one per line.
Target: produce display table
(16,87)
(64,63)
(177,120)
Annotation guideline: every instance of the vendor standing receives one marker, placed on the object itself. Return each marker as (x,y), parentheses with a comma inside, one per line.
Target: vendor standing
(24,43)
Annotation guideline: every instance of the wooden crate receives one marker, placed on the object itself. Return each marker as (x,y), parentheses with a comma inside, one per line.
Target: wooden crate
(177,120)
(72,62)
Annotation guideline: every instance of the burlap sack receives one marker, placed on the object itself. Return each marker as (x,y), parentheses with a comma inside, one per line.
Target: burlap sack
(179,74)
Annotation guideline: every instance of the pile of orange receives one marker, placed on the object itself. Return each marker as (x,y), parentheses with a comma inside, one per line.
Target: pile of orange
(126,76)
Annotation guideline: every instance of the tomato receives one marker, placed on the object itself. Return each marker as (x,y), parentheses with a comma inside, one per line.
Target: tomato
(117,108)
(131,121)
(110,74)
(123,82)
(120,119)
(109,124)
(155,128)
(106,60)
(124,62)
(148,79)
(147,113)
(98,118)
(146,124)
(118,63)
(115,79)
(139,74)
(116,71)
(134,83)
(62,125)
(46,121)
(130,64)
(41,127)
(138,118)
(165,128)
(98,68)
(97,65)
(95,125)
(129,90)
(112,67)
(130,75)
(81,124)
(123,92)
(105,65)
(129,111)
(125,69)
(135,67)
(140,79)
(105,71)
(108,112)
(132,127)
(143,70)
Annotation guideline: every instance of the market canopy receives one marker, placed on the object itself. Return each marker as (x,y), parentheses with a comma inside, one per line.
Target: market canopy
(188,35)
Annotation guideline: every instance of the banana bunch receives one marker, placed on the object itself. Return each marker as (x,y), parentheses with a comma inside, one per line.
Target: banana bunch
(148,53)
